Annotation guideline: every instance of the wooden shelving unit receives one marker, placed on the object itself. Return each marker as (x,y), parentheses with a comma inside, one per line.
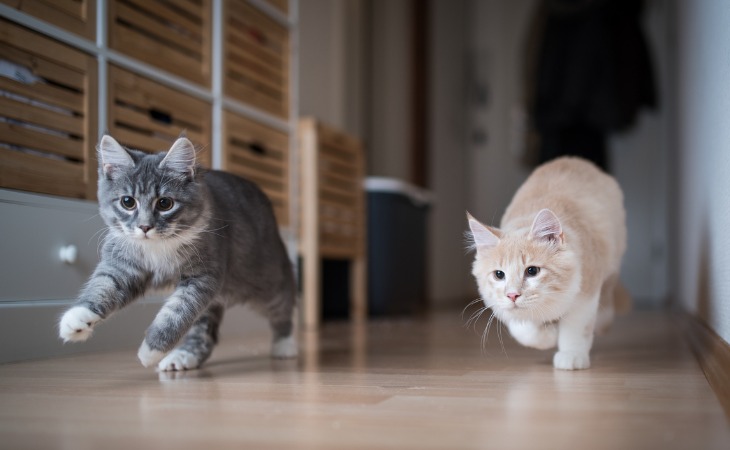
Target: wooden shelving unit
(332,211)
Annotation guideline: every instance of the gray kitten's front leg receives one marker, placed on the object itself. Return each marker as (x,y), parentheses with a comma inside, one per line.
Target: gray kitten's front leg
(111,287)
(191,297)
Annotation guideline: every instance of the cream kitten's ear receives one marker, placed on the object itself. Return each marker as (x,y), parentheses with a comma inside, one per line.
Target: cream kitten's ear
(547,227)
(483,237)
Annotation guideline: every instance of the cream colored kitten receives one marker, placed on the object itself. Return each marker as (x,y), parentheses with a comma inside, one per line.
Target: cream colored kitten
(550,272)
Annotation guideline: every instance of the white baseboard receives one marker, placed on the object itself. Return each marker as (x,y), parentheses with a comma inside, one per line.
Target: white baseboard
(30,330)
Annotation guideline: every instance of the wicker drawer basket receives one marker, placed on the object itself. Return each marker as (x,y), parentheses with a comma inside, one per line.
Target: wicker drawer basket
(256,63)
(76,16)
(48,115)
(173,36)
(260,154)
(148,116)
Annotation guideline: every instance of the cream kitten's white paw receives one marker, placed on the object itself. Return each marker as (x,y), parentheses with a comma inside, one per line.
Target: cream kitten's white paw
(178,360)
(571,360)
(540,336)
(285,348)
(147,356)
(77,324)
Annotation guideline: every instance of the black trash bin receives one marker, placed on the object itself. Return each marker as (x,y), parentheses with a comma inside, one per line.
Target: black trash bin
(397,238)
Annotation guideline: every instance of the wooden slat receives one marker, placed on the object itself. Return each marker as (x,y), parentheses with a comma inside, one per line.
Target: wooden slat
(282,5)
(159,55)
(72,8)
(253,97)
(246,130)
(164,45)
(340,193)
(166,35)
(252,17)
(138,141)
(235,166)
(135,128)
(165,10)
(193,8)
(45,93)
(76,16)
(44,68)
(256,67)
(243,43)
(49,119)
(339,141)
(23,137)
(249,67)
(37,174)
(147,94)
(38,45)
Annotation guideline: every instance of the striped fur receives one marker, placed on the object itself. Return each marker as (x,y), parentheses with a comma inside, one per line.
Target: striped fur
(211,235)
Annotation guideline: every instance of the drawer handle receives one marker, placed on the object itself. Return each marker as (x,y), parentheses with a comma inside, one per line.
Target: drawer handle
(68,254)
(160,116)
(255,147)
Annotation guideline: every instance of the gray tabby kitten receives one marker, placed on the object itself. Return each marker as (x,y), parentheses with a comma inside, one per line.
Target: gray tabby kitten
(211,235)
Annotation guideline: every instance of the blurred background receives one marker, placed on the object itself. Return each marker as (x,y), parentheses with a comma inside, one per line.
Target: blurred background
(446,94)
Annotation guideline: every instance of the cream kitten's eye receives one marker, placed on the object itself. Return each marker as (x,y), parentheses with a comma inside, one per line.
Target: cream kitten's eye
(532,271)
(498,274)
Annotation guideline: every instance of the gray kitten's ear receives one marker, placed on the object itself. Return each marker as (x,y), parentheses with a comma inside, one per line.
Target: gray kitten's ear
(112,155)
(181,157)
(546,226)
(483,236)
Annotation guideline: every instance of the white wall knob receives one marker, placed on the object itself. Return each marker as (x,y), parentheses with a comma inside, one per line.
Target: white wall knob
(68,254)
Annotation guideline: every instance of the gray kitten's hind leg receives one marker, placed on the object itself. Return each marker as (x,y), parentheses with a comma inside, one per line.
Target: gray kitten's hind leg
(280,312)
(197,344)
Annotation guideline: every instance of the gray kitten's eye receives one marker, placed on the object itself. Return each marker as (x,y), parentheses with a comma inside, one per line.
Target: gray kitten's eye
(128,202)
(498,274)
(532,271)
(165,203)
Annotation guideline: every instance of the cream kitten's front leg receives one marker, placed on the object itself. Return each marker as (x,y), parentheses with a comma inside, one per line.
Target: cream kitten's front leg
(537,335)
(575,336)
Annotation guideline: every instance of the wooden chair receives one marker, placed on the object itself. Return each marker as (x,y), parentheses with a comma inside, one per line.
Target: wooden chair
(332,212)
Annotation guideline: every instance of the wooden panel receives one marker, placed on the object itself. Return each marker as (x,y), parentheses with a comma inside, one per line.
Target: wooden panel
(29,172)
(332,213)
(260,154)
(47,115)
(149,116)
(256,63)
(76,16)
(174,36)
(281,5)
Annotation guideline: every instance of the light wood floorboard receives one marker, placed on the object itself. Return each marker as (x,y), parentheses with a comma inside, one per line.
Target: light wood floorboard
(421,383)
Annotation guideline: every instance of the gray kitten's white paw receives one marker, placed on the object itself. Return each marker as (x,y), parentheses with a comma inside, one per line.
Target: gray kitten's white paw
(285,348)
(571,360)
(77,324)
(178,360)
(147,356)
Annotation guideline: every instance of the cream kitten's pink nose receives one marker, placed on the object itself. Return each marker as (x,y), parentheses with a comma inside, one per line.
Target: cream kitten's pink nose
(513,296)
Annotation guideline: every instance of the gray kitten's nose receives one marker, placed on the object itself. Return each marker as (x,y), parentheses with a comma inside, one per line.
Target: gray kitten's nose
(145,228)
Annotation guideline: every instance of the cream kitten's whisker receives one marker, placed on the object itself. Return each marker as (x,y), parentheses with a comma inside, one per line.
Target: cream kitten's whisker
(475,317)
(478,300)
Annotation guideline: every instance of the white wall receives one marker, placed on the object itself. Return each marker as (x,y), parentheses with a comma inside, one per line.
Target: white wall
(701,279)
(450,281)
(332,71)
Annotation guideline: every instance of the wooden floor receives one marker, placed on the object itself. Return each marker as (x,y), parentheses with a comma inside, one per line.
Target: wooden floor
(397,384)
